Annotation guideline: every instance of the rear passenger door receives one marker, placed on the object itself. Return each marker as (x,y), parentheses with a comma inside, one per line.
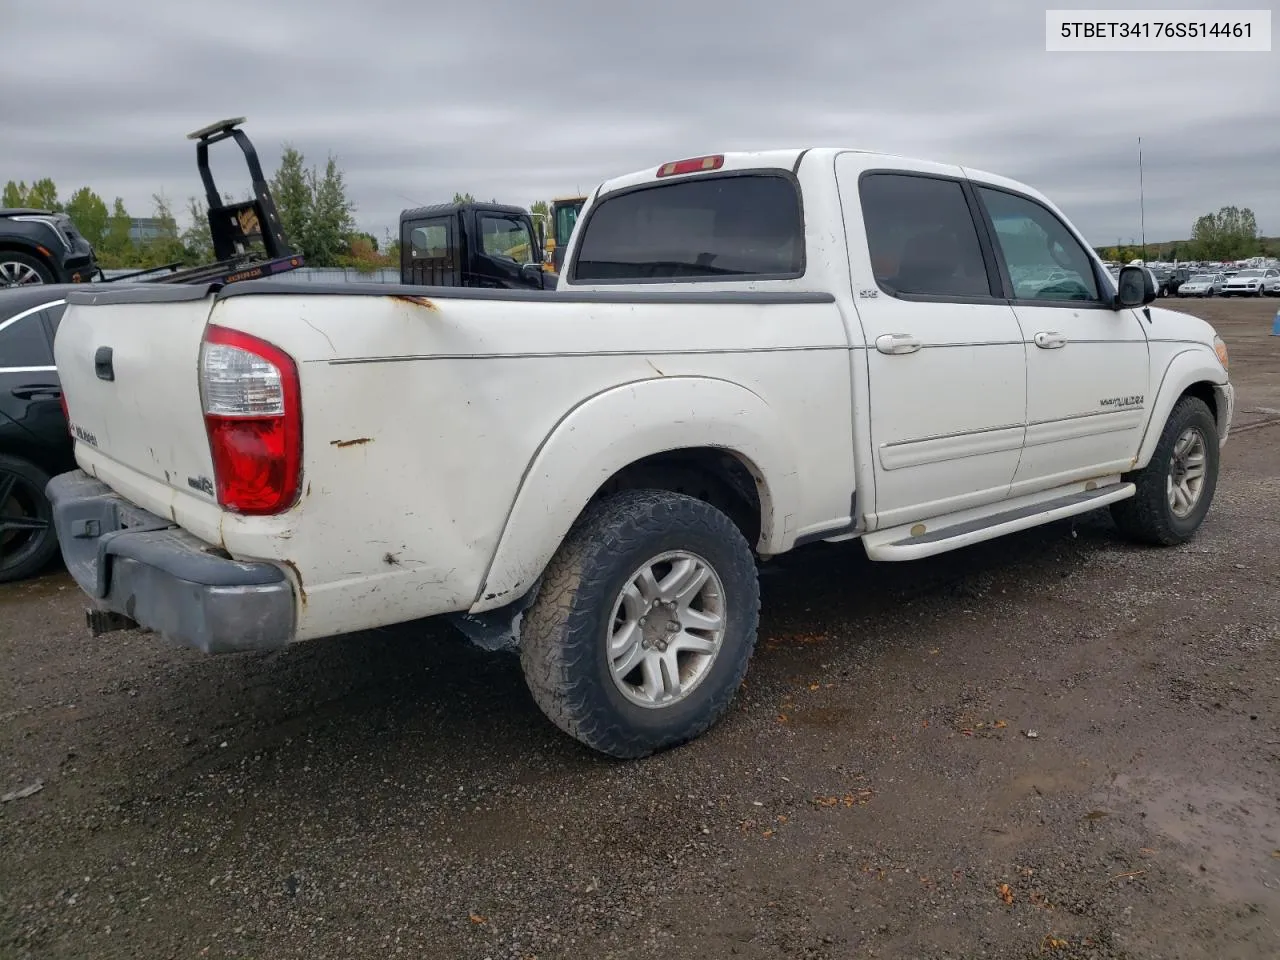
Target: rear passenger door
(945,357)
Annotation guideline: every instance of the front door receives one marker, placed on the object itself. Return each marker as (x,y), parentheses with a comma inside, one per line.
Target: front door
(1087,363)
(505,245)
(945,359)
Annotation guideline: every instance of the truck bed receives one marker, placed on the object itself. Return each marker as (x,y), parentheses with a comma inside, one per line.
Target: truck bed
(446,431)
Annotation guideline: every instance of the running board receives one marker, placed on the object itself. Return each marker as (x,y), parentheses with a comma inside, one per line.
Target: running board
(986,523)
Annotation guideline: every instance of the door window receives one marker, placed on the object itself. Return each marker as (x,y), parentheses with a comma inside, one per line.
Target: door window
(1044,259)
(23,343)
(922,237)
(506,237)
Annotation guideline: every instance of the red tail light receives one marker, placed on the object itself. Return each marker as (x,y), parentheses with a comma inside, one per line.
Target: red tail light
(253,417)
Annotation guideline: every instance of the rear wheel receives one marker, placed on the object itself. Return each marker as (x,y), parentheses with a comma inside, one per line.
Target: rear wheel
(21,269)
(644,623)
(1174,490)
(28,540)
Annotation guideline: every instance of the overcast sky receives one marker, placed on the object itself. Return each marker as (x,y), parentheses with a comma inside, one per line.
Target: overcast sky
(523,101)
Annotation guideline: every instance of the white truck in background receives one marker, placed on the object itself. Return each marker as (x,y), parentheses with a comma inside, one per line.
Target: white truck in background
(745,353)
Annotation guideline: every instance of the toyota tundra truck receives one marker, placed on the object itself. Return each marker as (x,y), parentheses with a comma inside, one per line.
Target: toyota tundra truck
(744,354)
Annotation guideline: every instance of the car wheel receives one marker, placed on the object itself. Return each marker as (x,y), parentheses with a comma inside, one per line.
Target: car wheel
(644,623)
(21,269)
(28,540)
(1175,489)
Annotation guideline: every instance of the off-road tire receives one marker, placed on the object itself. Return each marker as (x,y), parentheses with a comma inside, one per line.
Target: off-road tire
(563,644)
(41,547)
(1147,516)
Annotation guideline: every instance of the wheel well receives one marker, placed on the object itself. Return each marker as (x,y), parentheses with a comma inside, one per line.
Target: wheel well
(715,476)
(13,246)
(1204,391)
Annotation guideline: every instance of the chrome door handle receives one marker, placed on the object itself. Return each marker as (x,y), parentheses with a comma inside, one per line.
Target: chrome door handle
(1050,340)
(897,343)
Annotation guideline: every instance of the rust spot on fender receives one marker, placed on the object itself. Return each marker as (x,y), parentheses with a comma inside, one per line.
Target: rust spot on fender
(417,301)
(350,443)
(297,575)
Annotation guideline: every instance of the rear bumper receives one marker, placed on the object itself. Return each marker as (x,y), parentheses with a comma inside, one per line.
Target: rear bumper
(144,568)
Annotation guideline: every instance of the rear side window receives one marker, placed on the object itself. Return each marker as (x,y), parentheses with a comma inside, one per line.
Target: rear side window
(922,237)
(708,228)
(430,241)
(23,343)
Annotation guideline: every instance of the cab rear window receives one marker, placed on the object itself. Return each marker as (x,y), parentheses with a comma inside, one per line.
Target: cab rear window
(704,228)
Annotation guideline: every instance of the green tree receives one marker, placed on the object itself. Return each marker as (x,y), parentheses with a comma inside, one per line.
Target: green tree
(325,238)
(1229,234)
(117,249)
(197,241)
(165,246)
(44,195)
(293,195)
(89,213)
(463,198)
(15,194)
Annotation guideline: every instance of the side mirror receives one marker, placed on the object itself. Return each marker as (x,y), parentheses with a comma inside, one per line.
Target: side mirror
(531,273)
(1135,287)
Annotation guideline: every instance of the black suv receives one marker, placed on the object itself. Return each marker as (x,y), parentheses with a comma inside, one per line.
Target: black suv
(37,246)
(34,442)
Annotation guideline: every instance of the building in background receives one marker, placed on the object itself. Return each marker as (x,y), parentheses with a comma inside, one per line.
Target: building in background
(142,229)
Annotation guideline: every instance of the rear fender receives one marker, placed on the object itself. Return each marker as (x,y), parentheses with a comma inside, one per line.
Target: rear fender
(617,427)
(1191,366)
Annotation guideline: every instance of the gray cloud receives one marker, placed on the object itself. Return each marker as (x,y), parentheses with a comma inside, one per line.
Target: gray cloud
(524,101)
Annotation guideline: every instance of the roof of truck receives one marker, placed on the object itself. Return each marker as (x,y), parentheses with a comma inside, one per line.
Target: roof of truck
(447,209)
(789,159)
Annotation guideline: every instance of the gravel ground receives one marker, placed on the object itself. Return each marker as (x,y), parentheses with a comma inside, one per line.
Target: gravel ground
(1052,745)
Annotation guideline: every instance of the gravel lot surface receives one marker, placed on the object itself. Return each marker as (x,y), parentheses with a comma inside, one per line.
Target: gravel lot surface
(1051,745)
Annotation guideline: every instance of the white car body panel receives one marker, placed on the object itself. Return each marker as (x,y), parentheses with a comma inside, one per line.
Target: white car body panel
(449,442)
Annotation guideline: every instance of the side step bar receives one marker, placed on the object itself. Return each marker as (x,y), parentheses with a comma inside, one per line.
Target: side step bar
(985,523)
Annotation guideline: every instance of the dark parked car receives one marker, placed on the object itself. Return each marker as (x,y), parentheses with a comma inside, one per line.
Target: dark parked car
(37,246)
(34,442)
(1168,281)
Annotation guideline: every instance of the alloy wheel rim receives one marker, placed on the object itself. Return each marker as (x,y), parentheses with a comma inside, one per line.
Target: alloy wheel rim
(21,525)
(15,274)
(1187,471)
(666,629)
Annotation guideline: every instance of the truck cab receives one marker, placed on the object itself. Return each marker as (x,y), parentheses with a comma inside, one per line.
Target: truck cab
(472,245)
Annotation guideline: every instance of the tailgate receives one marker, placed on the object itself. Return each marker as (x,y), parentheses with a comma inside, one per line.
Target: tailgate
(128,359)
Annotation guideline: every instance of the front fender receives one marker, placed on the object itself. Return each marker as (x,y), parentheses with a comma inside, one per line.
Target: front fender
(617,427)
(1191,366)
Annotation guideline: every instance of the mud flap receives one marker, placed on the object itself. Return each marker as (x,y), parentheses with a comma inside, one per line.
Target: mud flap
(498,629)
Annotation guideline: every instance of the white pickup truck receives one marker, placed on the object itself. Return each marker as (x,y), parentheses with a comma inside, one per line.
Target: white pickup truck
(745,353)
